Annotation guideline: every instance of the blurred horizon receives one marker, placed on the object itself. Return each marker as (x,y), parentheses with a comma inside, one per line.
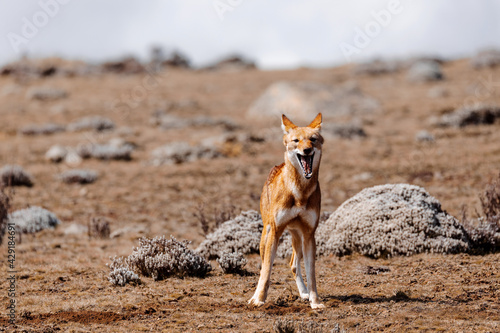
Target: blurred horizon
(278,35)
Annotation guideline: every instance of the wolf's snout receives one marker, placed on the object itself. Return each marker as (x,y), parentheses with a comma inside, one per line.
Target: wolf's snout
(308,151)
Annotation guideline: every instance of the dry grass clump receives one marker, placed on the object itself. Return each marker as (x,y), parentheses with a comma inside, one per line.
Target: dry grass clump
(46,94)
(288,325)
(231,262)
(161,258)
(181,152)
(15,175)
(45,129)
(95,123)
(241,234)
(470,115)
(120,274)
(33,219)
(4,212)
(99,228)
(210,222)
(168,121)
(78,176)
(389,220)
(484,232)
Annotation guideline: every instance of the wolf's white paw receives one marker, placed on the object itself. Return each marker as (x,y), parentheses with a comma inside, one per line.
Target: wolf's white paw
(304,296)
(255,302)
(317,306)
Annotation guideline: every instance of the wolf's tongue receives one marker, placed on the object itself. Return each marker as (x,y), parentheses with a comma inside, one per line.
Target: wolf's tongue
(306,164)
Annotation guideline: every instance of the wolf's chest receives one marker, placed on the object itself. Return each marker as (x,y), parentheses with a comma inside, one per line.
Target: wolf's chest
(288,216)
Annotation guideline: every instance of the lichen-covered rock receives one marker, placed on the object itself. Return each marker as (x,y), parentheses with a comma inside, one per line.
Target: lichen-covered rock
(389,220)
(344,131)
(181,152)
(304,100)
(95,123)
(44,129)
(46,94)
(241,234)
(106,151)
(470,115)
(78,176)
(56,153)
(33,219)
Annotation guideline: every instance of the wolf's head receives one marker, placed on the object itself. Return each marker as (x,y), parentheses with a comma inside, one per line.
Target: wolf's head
(303,145)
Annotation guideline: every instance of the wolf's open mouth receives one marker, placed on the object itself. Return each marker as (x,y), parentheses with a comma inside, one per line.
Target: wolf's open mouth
(306,162)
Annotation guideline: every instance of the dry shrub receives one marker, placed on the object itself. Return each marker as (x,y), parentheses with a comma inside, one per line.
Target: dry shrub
(15,175)
(4,212)
(210,222)
(120,274)
(99,228)
(161,258)
(484,231)
(78,176)
(96,123)
(287,325)
(232,262)
(490,200)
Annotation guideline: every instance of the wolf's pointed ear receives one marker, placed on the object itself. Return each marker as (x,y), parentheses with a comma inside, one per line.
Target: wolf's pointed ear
(316,123)
(286,124)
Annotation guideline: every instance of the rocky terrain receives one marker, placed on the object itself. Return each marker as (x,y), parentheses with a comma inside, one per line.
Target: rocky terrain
(121,151)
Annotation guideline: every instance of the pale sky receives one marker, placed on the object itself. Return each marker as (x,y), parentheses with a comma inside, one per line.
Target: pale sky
(276,34)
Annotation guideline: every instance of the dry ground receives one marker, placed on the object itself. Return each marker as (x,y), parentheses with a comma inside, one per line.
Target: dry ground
(62,281)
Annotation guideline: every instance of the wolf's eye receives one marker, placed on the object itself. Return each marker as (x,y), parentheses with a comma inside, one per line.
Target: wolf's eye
(313,139)
(295,140)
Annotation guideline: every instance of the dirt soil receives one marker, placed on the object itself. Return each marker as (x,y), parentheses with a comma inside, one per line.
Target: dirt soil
(62,278)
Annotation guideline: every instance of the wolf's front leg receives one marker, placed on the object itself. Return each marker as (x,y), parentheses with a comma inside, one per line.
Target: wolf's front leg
(309,263)
(271,246)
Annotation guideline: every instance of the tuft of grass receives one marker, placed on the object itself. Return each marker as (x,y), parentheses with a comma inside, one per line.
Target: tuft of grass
(99,228)
(484,231)
(284,325)
(287,325)
(210,222)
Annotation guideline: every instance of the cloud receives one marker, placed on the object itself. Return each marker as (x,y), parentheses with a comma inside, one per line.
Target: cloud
(281,33)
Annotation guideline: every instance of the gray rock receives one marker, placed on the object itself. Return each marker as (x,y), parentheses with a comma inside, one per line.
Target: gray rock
(304,100)
(424,71)
(389,220)
(33,219)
